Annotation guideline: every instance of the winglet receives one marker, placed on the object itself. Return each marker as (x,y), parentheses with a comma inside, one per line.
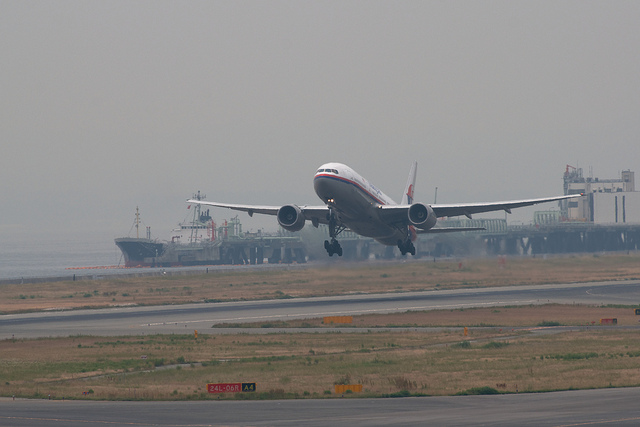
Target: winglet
(407,196)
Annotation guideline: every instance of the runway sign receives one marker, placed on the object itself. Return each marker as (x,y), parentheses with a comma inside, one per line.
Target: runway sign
(231,387)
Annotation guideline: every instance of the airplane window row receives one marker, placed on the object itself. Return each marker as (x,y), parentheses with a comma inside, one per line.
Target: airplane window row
(328,170)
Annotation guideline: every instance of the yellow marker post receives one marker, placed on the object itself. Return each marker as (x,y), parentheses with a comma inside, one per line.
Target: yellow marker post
(466,331)
(342,388)
(195,333)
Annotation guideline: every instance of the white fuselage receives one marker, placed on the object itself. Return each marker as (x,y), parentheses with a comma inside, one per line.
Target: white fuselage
(355,202)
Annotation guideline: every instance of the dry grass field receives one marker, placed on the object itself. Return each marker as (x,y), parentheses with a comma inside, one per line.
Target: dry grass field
(338,279)
(301,365)
(503,352)
(520,316)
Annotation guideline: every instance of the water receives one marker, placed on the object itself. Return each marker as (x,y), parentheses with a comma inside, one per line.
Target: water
(66,256)
(54,256)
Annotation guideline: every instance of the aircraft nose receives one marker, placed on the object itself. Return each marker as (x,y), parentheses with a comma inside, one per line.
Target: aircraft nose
(321,187)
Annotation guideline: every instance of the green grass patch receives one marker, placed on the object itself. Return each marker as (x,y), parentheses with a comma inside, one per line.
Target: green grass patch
(548,323)
(574,356)
(478,391)
(495,344)
(462,344)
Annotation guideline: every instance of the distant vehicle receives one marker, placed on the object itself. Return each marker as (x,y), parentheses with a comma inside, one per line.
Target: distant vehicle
(354,203)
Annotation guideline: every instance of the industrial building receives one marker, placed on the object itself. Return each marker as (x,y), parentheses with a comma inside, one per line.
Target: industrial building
(606,201)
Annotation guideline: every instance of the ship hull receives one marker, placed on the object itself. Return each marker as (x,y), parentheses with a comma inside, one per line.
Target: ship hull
(148,253)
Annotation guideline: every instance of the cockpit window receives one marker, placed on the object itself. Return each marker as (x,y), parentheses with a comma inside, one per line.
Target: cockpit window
(335,171)
(328,171)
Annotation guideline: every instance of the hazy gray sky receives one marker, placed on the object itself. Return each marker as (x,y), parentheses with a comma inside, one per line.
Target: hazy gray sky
(109,105)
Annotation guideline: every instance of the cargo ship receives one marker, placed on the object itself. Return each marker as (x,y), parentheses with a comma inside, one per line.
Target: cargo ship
(199,241)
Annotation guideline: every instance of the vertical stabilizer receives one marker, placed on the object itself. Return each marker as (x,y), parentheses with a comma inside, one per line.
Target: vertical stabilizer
(407,196)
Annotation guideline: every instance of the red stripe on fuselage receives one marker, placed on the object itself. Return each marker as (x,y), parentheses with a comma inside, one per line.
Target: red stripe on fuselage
(348,181)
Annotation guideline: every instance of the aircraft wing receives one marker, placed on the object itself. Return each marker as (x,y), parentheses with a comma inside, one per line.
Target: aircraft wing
(398,213)
(467,209)
(316,213)
(311,213)
(250,209)
(435,230)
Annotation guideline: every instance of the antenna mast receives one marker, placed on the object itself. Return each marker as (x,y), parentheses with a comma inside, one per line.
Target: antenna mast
(137,223)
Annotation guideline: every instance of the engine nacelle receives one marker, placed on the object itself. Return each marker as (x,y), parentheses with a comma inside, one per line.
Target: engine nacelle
(290,218)
(422,216)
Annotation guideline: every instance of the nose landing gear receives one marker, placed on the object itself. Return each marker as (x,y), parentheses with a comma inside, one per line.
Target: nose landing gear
(333,247)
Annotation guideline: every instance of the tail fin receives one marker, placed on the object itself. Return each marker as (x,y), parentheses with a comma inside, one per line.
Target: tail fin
(407,196)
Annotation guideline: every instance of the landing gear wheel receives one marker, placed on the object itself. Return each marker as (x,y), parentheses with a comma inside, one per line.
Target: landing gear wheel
(335,228)
(328,247)
(333,247)
(406,247)
(411,249)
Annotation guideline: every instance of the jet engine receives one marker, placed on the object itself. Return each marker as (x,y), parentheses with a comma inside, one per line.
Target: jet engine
(421,216)
(290,218)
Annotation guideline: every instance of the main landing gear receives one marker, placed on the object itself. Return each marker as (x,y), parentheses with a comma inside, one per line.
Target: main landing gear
(333,247)
(406,247)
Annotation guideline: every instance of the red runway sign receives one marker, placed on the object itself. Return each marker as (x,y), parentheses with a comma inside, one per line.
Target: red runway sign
(231,387)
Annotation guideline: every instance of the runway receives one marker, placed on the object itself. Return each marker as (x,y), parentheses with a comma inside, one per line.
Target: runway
(186,318)
(606,407)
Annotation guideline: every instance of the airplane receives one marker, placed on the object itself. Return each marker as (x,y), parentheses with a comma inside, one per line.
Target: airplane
(353,203)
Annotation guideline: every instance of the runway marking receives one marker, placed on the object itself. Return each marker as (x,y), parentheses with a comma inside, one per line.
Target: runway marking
(128,423)
(589,423)
(332,313)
